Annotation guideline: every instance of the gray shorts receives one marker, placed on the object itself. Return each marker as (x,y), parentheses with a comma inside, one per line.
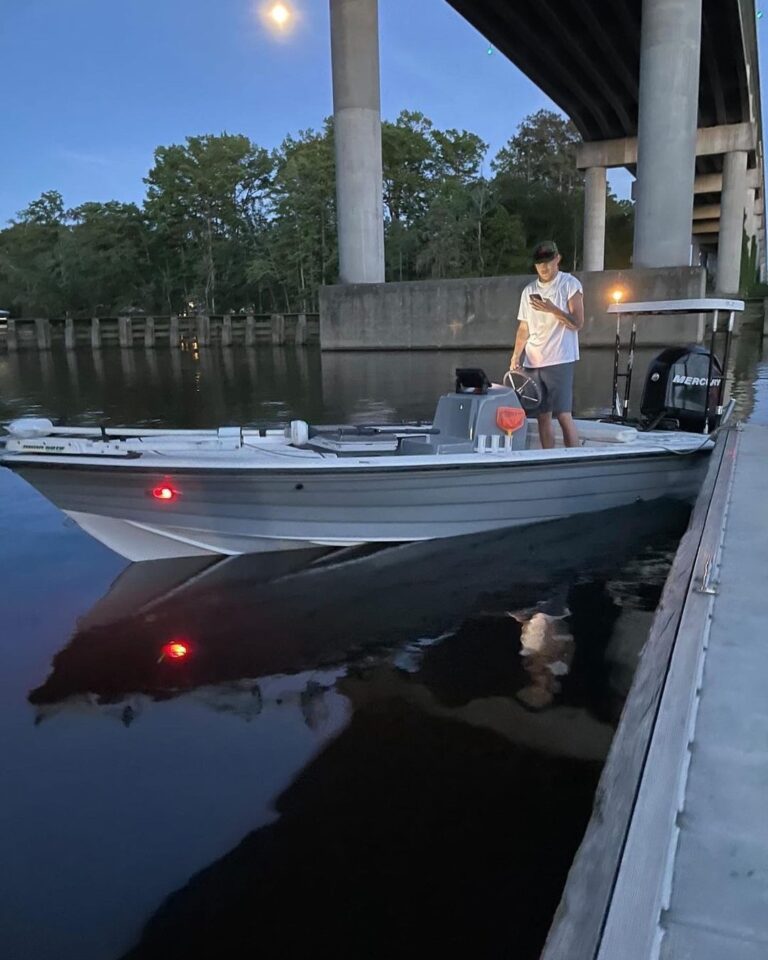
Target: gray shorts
(555,385)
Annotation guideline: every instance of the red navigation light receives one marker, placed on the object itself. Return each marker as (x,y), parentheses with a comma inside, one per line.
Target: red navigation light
(175,650)
(164,492)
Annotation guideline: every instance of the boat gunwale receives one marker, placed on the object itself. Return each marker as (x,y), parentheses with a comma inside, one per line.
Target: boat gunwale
(324,468)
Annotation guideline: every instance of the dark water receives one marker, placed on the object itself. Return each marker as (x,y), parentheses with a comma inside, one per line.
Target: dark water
(213,387)
(386,754)
(208,388)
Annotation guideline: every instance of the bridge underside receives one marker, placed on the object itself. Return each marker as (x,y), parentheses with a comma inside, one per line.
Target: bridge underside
(669,89)
(585,55)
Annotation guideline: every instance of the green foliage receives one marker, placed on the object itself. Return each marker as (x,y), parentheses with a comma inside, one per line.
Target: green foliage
(227,225)
(542,152)
(33,275)
(107,258)
(204,201)
(295,252)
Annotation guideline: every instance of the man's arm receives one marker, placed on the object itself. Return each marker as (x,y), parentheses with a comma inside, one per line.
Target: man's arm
(573,318)
(520,341)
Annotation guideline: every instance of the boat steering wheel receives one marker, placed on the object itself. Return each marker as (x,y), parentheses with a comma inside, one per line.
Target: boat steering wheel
(525,387)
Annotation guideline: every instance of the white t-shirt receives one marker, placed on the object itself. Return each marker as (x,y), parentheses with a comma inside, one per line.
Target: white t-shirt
(550,341)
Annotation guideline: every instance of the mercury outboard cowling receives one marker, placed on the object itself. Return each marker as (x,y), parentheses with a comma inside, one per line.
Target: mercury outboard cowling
(676,388)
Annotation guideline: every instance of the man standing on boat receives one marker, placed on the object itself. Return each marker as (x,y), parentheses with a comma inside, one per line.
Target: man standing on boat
(547,342)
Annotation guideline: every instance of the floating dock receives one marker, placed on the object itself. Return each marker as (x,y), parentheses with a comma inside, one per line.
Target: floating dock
(674,863)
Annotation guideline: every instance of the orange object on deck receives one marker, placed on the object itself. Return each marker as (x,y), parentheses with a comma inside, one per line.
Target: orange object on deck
(510,419)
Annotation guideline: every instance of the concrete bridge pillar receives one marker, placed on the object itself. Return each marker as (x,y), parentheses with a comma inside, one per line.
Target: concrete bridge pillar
(750,223)
(595,200)
(670,54)
(357,133)
(732,222)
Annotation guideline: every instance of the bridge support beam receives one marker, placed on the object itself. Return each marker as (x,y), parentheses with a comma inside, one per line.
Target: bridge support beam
(670,54)
(710,142)
(732,222)
(357,133)
(706,227)
(707,211)
(595,201)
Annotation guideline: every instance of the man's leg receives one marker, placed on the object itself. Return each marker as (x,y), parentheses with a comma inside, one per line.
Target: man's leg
(560,386)
(546,433)
(570,433)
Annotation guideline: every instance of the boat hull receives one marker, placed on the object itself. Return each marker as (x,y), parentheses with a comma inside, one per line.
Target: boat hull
(231,512)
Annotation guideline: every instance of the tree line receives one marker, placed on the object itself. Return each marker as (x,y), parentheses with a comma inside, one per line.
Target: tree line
(227,225)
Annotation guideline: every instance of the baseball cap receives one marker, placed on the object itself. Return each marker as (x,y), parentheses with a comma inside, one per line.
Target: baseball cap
(545,251)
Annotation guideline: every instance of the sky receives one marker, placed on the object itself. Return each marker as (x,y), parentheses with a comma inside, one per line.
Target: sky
(92,87)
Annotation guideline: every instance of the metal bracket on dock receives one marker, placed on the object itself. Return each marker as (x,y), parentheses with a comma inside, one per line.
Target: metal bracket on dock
(707,586)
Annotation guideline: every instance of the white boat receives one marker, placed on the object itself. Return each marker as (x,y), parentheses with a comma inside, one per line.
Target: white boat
(154,494)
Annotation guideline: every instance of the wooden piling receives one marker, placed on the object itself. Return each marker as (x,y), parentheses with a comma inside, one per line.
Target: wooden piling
(11,336)
(278,329)
(95,333)
(149,332)
(203,331)
(250,330)
(301,330)
(43,330)
(125,331)
(174,339)
(69,333)
(226,331)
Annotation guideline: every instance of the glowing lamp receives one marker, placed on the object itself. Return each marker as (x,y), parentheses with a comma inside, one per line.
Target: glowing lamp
(279,14)
(175,650)
(164,493)
(618,296)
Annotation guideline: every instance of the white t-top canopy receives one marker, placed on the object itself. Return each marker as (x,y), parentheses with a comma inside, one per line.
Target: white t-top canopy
(677,306)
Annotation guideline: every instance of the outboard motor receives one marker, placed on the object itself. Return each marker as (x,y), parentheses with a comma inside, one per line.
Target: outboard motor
(676,388)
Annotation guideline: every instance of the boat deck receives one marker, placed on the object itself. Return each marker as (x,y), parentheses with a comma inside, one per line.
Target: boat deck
(182,450)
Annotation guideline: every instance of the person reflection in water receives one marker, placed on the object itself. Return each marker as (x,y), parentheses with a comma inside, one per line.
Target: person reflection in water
(547,649)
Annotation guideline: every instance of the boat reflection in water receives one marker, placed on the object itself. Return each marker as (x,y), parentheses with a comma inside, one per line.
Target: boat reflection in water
(463,694)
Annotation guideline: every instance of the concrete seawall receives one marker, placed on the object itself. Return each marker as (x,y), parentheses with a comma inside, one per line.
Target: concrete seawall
(482,312)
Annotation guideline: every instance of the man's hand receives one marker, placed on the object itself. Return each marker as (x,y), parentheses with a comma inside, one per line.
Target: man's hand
(546,306)
(573,320)
(514,363)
